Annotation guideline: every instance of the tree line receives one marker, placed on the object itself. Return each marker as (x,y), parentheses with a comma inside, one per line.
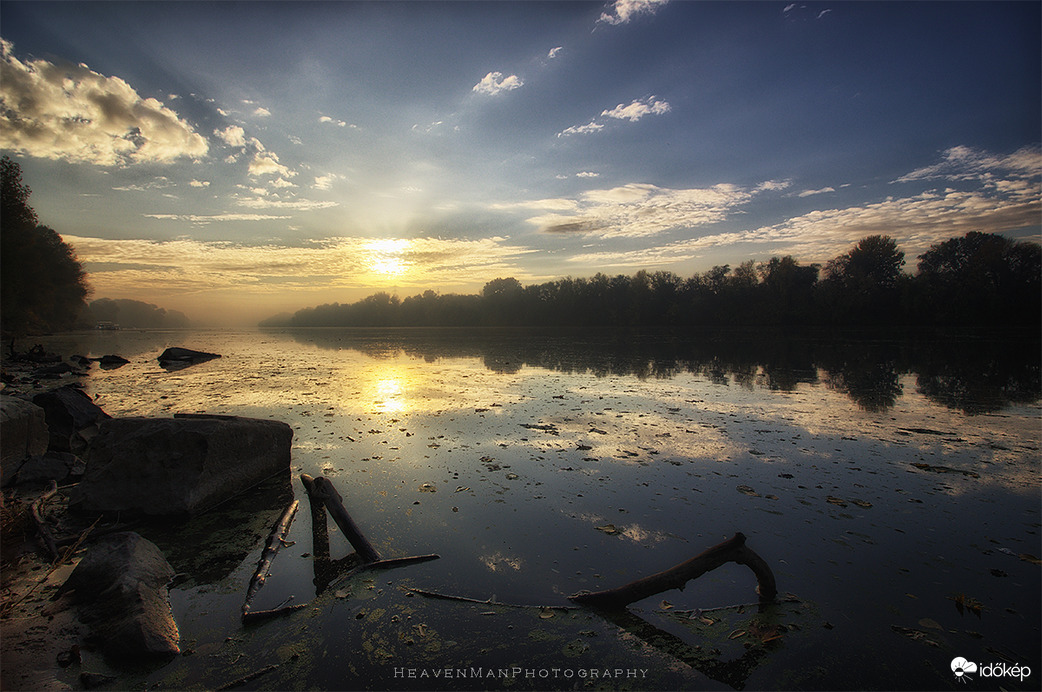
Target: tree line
(980,279)
(43,286)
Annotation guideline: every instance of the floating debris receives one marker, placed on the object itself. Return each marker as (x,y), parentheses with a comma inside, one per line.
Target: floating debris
(944,469)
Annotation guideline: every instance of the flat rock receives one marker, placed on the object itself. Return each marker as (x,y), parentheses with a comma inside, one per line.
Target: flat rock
(179,466)
(178,357)
(60,467)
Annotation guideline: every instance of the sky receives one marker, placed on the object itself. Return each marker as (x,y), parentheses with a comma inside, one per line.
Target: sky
(234,160)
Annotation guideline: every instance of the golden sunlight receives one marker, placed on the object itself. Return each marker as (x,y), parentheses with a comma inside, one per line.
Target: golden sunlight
(387,257)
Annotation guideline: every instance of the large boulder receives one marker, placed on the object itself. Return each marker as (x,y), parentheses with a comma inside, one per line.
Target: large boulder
(121,588)
(23,433)
(179,466)
(72,418)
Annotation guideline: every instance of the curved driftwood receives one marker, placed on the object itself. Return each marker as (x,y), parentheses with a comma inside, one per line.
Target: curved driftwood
(731,550)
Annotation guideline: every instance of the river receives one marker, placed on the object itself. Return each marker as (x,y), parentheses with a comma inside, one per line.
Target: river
(891,482)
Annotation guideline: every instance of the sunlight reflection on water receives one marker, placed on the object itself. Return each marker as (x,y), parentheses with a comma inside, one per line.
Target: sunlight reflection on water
(537,467)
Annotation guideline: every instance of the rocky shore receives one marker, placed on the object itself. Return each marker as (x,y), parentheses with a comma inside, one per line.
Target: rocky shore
(83,588)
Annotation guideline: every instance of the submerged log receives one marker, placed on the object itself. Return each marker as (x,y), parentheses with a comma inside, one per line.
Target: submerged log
(321,489)
(731,550)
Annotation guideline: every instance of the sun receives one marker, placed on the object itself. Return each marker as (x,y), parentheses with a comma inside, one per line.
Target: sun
(387,257)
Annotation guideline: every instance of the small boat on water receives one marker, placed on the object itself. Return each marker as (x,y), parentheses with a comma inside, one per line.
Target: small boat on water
(107,326)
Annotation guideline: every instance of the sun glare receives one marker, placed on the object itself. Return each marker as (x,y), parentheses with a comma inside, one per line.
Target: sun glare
(387,257)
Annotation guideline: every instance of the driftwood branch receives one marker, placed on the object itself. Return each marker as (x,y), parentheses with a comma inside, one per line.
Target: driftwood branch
(41,525)
(247,678)
(731,550)
(275,538)
(321,489)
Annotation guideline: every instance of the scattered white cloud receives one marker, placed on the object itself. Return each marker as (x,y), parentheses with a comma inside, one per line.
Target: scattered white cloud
(823,13)
(637,109)
(811,193)
(622,11)
(156,183)
(262,112)
(587,174)
(199,183)
(207,218)
(773,185)
(233,136)
(789,8)
(267,163)
(333,121)
(268,201)
(325,182)
(495,83)
(638,210)
(71,113)
(963,163)
(281,183)
(634,111)
(592,126)
(554,52)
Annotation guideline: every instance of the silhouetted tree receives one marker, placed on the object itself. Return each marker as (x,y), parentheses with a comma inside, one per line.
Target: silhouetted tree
(42,284)
(862,285)
(788,291)
(980,278)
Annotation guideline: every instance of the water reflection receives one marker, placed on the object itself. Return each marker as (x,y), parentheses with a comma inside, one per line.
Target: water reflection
(971,373)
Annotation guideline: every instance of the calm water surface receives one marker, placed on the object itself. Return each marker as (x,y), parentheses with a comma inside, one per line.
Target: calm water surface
(891,484)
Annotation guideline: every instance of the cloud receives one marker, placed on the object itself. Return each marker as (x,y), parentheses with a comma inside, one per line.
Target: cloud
(637,109)
(71,113)
(186,266)
(199,183)
(207,218)
(587,174)
(274,202)
(773,185)
(495,83)
(554,52)
(325,182)
(809,193)
(262,112)
(333,121)
(638,210)
(267,163)
(634,111)
(995,204)
(823,13)
(157,183)
(963,163)
(592,126)
(233,136)
(622,11)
